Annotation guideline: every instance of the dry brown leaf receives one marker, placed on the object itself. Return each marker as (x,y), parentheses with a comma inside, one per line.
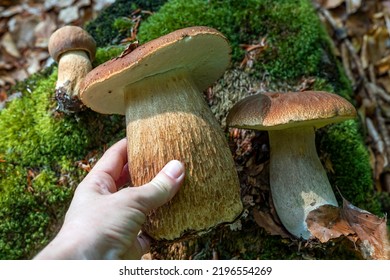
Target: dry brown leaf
(325,223)
(69,14)
(266,221)
(353,5)
(9,45)
(101,4)
(367,230)
(331,4)
(3,96)
(43,31)
(83,3)
(22,30)
(34,59)
(385,83)
(370,229)
(374,46)
(357,24)
(383,65)
(64,3)
(11,11)
(6,79)
(381,37)
(18,75)
(5,65)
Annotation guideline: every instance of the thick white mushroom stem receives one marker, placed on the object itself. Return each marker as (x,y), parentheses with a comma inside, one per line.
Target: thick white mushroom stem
(73,66)
(167,118)
(298,181)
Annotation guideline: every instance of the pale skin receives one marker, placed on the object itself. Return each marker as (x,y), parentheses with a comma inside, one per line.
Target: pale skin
(104,220)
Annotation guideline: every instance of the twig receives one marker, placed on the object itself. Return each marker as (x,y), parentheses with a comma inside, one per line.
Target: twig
(346,62)
(376,139)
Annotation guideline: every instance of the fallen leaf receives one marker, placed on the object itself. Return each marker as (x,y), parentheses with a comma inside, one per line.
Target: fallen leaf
(19,75)
(69,14)
(22,29)
(367,230)
(385,83)
(83,3)
(11,11)
(353,5)
(9,45)
(266,221)
(330,4)
(100,4)
(383,65)
(325,223)
(370,229)
(5,65)
(43,31)
(3,96)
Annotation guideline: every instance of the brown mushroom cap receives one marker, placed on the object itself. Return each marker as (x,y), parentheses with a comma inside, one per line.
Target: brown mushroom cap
(70,38)
(275,111)
(202,52)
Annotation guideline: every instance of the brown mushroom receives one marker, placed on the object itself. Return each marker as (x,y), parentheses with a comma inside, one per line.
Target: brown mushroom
(74,50)
(298,181)
(158,86)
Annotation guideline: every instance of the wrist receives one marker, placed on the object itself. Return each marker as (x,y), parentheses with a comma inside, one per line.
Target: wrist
(65,246)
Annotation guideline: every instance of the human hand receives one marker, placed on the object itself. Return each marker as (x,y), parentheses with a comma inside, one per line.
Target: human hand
(104,221)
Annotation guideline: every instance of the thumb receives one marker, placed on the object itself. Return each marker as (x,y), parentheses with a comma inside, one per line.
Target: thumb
(163,187)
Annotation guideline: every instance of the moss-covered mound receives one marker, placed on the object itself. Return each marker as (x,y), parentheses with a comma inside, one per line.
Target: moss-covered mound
(40,157)
(42,153)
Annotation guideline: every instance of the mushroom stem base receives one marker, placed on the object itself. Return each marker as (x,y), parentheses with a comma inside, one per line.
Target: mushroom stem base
(298,181)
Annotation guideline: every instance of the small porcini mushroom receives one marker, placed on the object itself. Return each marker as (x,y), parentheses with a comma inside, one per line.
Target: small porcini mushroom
(298,181)
(158,86)
(74,50)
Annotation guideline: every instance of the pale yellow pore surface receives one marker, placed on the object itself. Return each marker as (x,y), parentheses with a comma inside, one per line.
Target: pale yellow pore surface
(167,119)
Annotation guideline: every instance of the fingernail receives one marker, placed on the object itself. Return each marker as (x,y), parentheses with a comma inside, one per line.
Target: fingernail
(174,169)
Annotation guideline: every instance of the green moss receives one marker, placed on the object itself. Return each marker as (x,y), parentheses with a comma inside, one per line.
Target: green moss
(39,151)
(106,53)
(349,159)
(32,144)
(108,29)
(236,19)
(293,31)
(25,129)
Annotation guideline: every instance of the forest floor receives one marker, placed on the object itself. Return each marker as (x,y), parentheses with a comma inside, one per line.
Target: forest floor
(360,32)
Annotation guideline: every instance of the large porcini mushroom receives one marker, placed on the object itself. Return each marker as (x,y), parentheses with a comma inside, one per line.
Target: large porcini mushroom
(158,86)
(74,50)
(298,181)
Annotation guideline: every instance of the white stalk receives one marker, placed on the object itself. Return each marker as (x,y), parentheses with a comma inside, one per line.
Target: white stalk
(298,181)
(73,66)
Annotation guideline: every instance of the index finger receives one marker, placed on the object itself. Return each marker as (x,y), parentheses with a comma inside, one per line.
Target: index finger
(113,160)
